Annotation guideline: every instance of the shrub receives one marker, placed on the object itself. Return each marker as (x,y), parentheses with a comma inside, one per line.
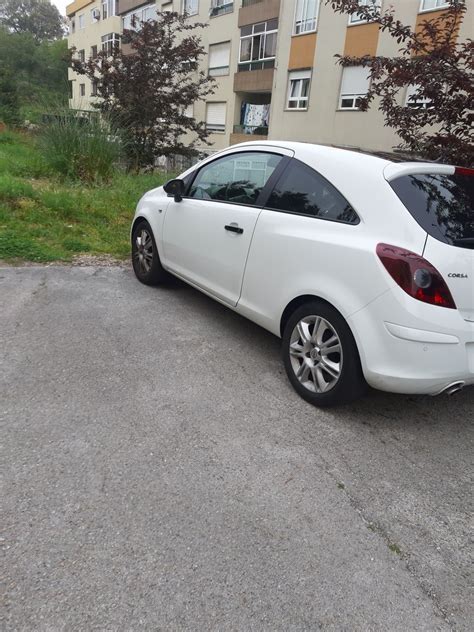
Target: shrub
(82,147)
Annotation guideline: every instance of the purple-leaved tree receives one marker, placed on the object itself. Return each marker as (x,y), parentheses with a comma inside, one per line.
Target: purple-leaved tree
(438,66)
(147,84)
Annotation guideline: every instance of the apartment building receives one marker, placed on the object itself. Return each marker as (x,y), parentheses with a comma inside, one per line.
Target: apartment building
(273,62)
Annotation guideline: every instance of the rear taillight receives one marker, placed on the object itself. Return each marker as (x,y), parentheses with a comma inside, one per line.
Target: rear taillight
(416,276)
(464,171)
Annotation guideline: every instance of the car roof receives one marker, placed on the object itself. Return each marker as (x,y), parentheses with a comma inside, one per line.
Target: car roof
(380,158)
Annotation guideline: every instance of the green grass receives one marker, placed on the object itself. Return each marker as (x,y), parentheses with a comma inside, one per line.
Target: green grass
(45,219)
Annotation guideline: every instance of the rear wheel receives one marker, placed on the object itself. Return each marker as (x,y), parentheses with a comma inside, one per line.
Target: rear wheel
(145,258)
(320,356)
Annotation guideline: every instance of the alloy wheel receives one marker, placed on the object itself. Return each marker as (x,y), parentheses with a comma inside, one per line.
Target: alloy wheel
(144,251)
(316,354)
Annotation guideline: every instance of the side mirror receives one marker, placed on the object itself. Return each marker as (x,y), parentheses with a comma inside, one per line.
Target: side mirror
(175,188)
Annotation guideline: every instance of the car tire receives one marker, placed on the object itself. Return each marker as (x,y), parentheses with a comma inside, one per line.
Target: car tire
(145,258)
(321,357)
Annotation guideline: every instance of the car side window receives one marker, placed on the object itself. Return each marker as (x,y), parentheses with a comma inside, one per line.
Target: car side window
(304,191)
(237,178)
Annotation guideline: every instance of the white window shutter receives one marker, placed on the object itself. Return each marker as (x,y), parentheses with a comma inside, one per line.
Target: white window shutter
(219,55)
(215,113)
(300,74)
(355,80)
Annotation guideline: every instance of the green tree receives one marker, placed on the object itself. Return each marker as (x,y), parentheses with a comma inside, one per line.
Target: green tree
(38,69)
(9,102)
(38,17)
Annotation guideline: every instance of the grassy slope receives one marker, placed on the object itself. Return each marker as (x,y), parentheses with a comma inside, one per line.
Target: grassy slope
(44,219)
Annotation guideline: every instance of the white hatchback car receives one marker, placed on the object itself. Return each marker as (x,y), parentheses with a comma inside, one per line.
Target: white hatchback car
(363,265)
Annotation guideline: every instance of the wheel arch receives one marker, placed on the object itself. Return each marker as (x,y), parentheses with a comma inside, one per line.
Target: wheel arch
(298,301)
(137,219)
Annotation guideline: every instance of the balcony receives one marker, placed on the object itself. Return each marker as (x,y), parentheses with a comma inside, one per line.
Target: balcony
(258,80)
(253,11)
(245,133)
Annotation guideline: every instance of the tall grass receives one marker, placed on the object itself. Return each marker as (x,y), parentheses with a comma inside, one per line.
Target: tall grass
(44,217)
(81,146)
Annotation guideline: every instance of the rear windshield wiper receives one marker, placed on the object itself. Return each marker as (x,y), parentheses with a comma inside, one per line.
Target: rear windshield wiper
(464,242)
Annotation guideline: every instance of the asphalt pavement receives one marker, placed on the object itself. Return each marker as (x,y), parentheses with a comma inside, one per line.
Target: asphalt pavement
(161,474)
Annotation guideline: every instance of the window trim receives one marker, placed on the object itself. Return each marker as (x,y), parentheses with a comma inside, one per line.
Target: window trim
(425,102)
(183,2)
(311,217)
(114,40)
(216,131)
(440,8)
(224,74)
(359,22)
(346,95)
(316,20)
(214,9)
(251,37)
(298,98)
(266,190)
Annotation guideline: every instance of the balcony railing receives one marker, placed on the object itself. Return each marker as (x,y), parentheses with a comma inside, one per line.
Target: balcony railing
(219,8)
(260,130)
(248,3)
(255,65)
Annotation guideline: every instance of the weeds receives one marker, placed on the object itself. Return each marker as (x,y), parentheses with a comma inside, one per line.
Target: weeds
(46,218)
(81,147)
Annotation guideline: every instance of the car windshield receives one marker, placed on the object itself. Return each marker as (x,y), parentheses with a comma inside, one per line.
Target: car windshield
(442,204)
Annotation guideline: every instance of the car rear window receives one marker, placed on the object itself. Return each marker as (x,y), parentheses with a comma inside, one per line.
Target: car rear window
(442,204)
(303,191)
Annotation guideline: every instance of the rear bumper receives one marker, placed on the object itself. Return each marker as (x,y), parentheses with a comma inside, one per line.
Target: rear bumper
(410,347)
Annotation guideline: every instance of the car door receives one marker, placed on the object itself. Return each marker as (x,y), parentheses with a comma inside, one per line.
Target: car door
(207,235)
(305,242)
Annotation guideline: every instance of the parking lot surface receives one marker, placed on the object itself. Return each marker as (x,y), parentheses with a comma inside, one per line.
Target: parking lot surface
(162,474)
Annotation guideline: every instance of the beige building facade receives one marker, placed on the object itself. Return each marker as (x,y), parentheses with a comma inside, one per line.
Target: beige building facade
(273,62)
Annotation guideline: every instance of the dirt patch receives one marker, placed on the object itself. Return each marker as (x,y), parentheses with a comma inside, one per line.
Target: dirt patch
(103,261)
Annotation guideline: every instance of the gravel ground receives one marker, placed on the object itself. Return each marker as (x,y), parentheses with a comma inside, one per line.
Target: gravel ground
(161,474)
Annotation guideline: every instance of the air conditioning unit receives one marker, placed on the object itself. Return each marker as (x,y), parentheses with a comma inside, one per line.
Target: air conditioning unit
(95,14)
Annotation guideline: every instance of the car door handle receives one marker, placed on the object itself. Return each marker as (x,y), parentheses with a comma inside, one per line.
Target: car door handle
(234,228)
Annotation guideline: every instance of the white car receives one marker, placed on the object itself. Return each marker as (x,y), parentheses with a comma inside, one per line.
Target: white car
(363,265)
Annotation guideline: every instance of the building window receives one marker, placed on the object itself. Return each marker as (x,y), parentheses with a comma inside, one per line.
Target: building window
(258,45)
(95,15)
(82,89)
(94,85)
(108,8)
(133,19)
(306,15)
(429,5)
(81,21)
(415,100)
(73,25)
(110,42)
(354,86)
(298,90)
(215,116)
(191,7)
(219,59)
(189,111)
(220,7)
(355,18)
(81,56)
(93,52)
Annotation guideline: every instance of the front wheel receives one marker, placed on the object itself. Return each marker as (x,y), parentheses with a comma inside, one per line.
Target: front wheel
(145,258)
(320,356)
